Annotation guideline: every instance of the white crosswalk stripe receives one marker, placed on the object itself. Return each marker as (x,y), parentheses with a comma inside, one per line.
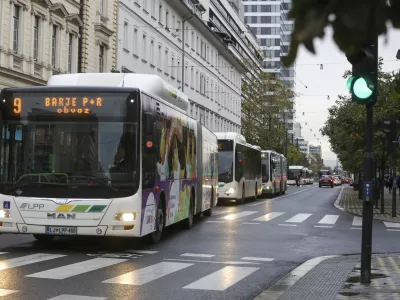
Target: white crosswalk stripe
(78,268)
(148,274)
(357,221)
(298,218)
(4,292)
(329,219)
(27,260)
(221,279)
(391,224)
(239,215)
(3,253)
(269,216)
(76,297)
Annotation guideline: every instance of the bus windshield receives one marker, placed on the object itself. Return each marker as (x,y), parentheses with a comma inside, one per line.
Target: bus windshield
(293,173)
(225,166)
(62,156)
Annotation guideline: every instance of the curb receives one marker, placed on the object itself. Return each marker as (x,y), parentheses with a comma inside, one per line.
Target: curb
(282,285)
(376,217)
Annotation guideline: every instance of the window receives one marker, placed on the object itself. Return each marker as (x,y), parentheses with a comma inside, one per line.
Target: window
(125,35)
(36,38)
(179,71)
(191,77)
(70,48)
(16,18)
(153,7)
(144,50)
(101,58)
(135,41)
(159,57)
(166,60)
(178,28)
(202,84)
(152,52)
(173,67)
(192,40)
(54,46)
(145,5)
(101,6)
(160,13)
(167,19)
(173,24)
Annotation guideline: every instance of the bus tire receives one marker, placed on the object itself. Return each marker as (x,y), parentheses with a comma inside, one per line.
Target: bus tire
(156,235)
(208,212)
(243,196)
(256,193)
(188,222)
(44,238)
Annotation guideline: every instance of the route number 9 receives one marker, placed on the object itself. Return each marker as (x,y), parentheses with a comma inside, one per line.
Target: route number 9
(17,105)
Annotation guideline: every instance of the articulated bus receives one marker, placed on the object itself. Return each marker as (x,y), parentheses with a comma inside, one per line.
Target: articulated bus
(294,172)
(239,164)
(308,176)
(103,155)
(274,173)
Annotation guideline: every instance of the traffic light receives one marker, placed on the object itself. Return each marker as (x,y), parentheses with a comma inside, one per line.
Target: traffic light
(363,84)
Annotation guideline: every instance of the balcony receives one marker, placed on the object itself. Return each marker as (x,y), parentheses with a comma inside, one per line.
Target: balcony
(195,6)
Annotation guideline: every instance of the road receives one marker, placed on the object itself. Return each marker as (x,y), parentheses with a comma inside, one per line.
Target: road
(235,254)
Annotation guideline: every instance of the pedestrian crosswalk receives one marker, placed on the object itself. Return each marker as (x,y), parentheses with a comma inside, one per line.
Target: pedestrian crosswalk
(220,276)
(287,219)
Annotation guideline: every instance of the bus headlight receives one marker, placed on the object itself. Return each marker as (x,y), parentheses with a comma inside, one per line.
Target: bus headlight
(4,214)
(231,190)
(125,217)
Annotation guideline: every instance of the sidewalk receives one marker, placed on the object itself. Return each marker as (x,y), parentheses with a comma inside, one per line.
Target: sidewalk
(337,278)
(348,201)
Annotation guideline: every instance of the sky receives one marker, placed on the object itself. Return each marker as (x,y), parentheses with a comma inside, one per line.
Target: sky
(313,85)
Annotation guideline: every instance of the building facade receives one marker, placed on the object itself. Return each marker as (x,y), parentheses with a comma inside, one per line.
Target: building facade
(302,144)
(191,45)
(39,38)
(315,150)
(269,22)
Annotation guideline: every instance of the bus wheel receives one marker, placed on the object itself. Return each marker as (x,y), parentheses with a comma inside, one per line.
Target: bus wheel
(243,196)
(43,238)
(156,235)
(208,212)
(188,223)
(256,193)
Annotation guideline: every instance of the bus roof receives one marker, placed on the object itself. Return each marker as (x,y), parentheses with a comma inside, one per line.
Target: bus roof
(237,137)
(151,84)
(296,167)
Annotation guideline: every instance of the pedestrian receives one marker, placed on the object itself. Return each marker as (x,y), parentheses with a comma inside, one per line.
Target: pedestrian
(390,184)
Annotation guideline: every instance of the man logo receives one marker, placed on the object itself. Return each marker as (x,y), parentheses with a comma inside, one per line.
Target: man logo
(61,216)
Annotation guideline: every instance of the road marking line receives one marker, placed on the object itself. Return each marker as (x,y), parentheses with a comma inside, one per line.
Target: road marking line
(215,222)
(3,253)
(268,217)
(142,251)
(148,274)
(250,223)
(393,229)
(27,260)
(216,213)
(291,225)
(214,262)
(4,292)
(77,268)
(391,224)
(76,297)
(323,226)
(329,219)
(357,221)
(197,255)
(258,258)
(239,215)
(280,197)
(298,218)
(221,279)
(356,228)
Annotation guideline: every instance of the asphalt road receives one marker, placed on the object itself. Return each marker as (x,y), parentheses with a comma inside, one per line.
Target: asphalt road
(235,254)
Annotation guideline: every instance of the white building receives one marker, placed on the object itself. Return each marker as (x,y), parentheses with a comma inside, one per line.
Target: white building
(316,150)
(302,144)
(39,38)
(297,129)
(153,35)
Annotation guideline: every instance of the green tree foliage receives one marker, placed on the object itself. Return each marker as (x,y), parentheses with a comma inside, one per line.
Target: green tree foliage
(295,157)
(267,102)
(345,127)
(354,22)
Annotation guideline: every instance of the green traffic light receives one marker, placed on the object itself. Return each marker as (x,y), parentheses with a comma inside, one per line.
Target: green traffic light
(362,89)
(349,82)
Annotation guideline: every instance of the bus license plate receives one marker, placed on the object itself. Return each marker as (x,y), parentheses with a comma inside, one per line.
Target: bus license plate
(61,230)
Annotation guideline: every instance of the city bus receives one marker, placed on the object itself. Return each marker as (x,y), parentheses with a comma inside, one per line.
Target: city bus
(239,168)
(295,171)
(103,155)
(274,173)
(324,172)
(309,177)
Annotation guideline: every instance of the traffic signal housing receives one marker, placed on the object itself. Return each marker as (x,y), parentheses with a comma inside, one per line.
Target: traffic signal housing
(363,84)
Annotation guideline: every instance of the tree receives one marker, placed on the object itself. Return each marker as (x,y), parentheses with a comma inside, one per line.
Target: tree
(294,156)
(353,22)
(345,127)
(267,103)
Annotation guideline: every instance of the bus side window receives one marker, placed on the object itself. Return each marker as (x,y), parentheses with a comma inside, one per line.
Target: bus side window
(148,150)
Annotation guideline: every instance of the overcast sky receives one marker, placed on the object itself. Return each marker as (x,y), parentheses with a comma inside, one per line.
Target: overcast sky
(312,101)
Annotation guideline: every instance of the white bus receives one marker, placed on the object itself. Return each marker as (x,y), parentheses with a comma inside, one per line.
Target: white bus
(103,155)
(239,166)
(309,176)
(294,172)
(274,173)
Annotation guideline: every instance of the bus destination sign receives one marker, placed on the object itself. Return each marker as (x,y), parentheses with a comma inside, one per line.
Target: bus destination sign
(64,105)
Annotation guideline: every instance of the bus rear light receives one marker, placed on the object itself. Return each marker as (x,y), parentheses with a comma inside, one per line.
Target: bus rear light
(125,217)
(128,227)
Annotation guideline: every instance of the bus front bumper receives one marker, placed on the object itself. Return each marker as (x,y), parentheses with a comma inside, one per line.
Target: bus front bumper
(267,190)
